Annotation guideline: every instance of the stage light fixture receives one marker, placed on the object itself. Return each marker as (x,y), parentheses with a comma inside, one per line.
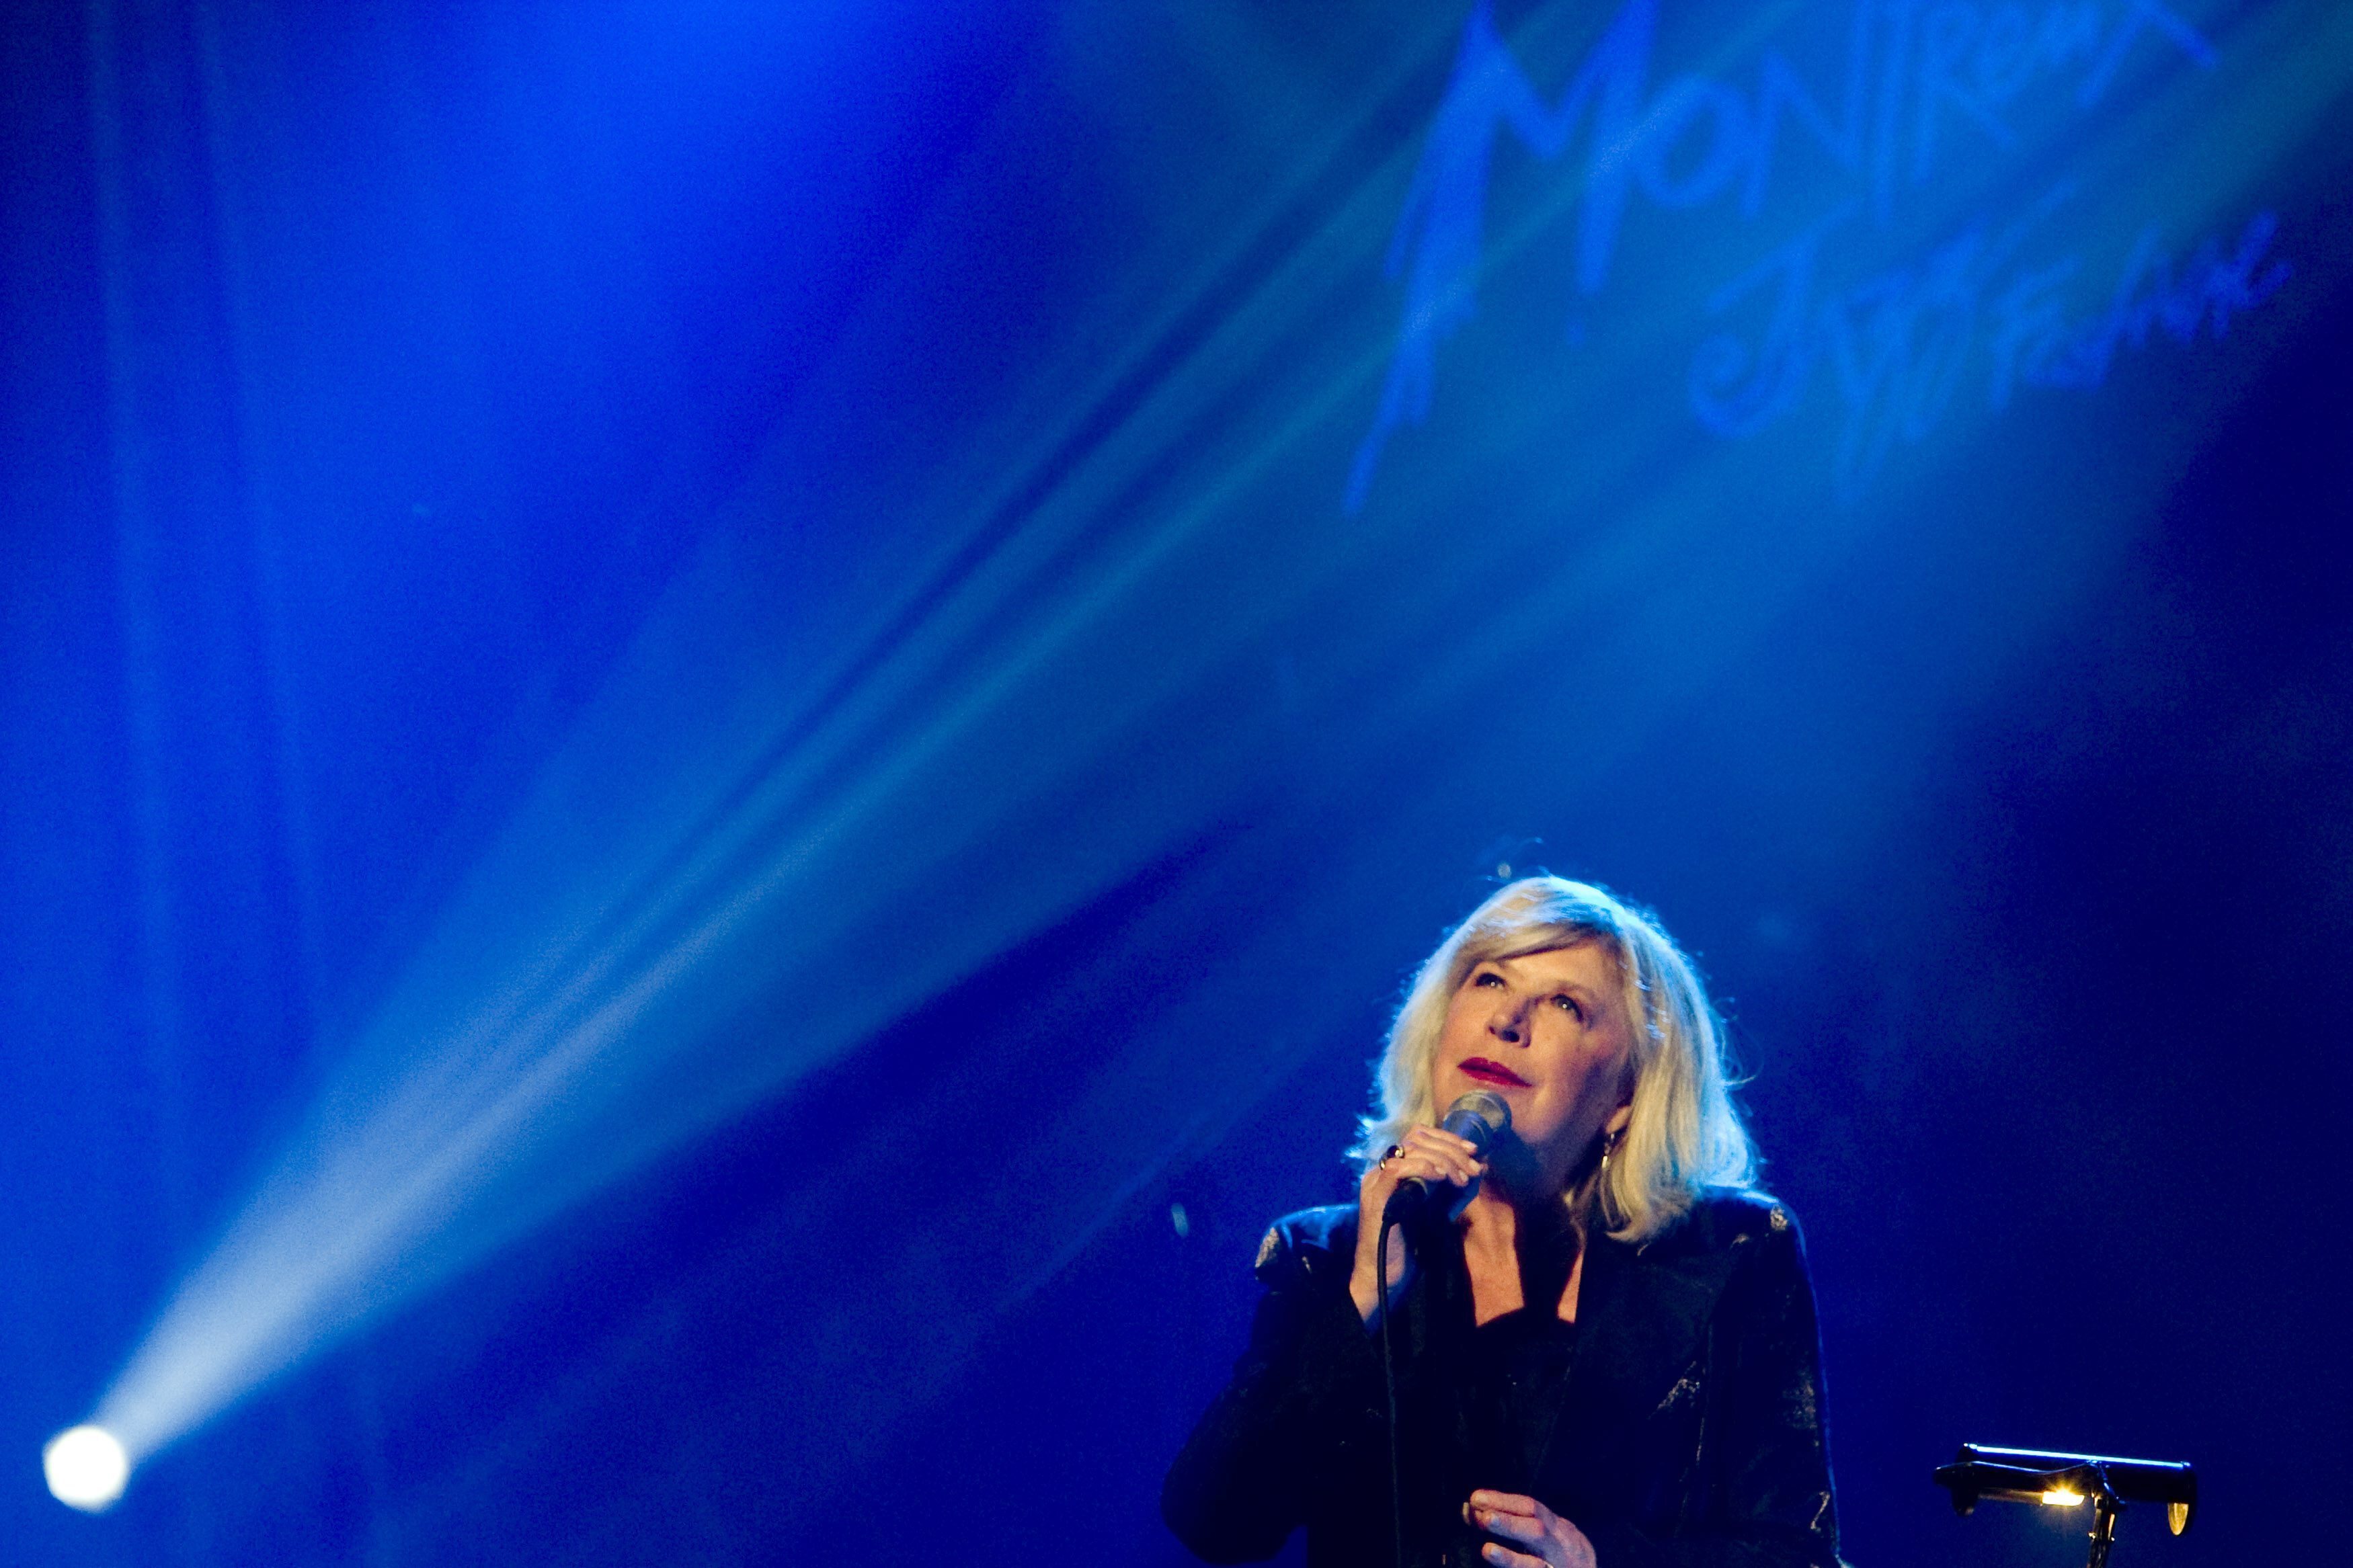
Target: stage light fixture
(2063,1480)
(86,1468)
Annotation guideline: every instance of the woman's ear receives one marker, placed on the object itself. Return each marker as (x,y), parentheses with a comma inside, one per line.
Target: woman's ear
(1629,1075)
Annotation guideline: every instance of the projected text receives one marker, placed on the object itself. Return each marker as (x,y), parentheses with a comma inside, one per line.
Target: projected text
(1920,88)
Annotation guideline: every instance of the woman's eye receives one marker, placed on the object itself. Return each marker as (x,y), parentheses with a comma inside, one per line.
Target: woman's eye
(1568,1005)
(1489,978)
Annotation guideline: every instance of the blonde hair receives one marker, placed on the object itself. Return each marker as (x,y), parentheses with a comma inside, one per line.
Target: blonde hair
(1684,1134)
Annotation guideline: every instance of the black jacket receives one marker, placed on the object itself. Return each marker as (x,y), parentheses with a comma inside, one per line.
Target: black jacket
(1692,1436)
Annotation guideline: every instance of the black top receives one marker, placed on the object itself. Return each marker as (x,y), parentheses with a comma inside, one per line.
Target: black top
(1686,1429)
(1518,1380)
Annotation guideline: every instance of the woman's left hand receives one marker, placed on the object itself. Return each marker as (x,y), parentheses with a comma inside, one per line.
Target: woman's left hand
(1546,1539)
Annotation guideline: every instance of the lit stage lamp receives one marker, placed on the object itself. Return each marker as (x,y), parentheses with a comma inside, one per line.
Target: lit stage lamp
(2064,1480)
(86,1468)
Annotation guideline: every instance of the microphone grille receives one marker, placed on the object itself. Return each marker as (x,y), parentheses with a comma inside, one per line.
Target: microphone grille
(1487,1111)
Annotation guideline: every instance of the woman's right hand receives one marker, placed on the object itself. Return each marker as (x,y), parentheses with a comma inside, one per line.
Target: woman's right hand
(1428,1154)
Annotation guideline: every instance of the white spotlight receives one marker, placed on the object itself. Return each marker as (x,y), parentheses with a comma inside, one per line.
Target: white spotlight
(86,1467)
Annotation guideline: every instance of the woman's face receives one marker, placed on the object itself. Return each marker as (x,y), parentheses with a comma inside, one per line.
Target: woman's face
(1548,1031)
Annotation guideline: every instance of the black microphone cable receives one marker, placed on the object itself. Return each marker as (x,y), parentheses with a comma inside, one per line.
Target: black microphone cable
(1388,1382)
(1480,1117)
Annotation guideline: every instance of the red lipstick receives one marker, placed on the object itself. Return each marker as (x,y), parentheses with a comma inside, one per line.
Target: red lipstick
(1485,1071)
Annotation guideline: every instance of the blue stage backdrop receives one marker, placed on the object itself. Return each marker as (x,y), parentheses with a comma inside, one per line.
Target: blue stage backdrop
(724,725)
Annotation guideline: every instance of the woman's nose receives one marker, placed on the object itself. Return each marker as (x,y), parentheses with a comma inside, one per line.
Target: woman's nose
(1510,1022)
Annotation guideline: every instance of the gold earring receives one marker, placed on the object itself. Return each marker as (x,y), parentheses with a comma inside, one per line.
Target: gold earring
(1606,1201)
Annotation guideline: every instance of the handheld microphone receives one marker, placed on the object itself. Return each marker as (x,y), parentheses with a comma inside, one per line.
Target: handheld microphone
(1480,1117)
